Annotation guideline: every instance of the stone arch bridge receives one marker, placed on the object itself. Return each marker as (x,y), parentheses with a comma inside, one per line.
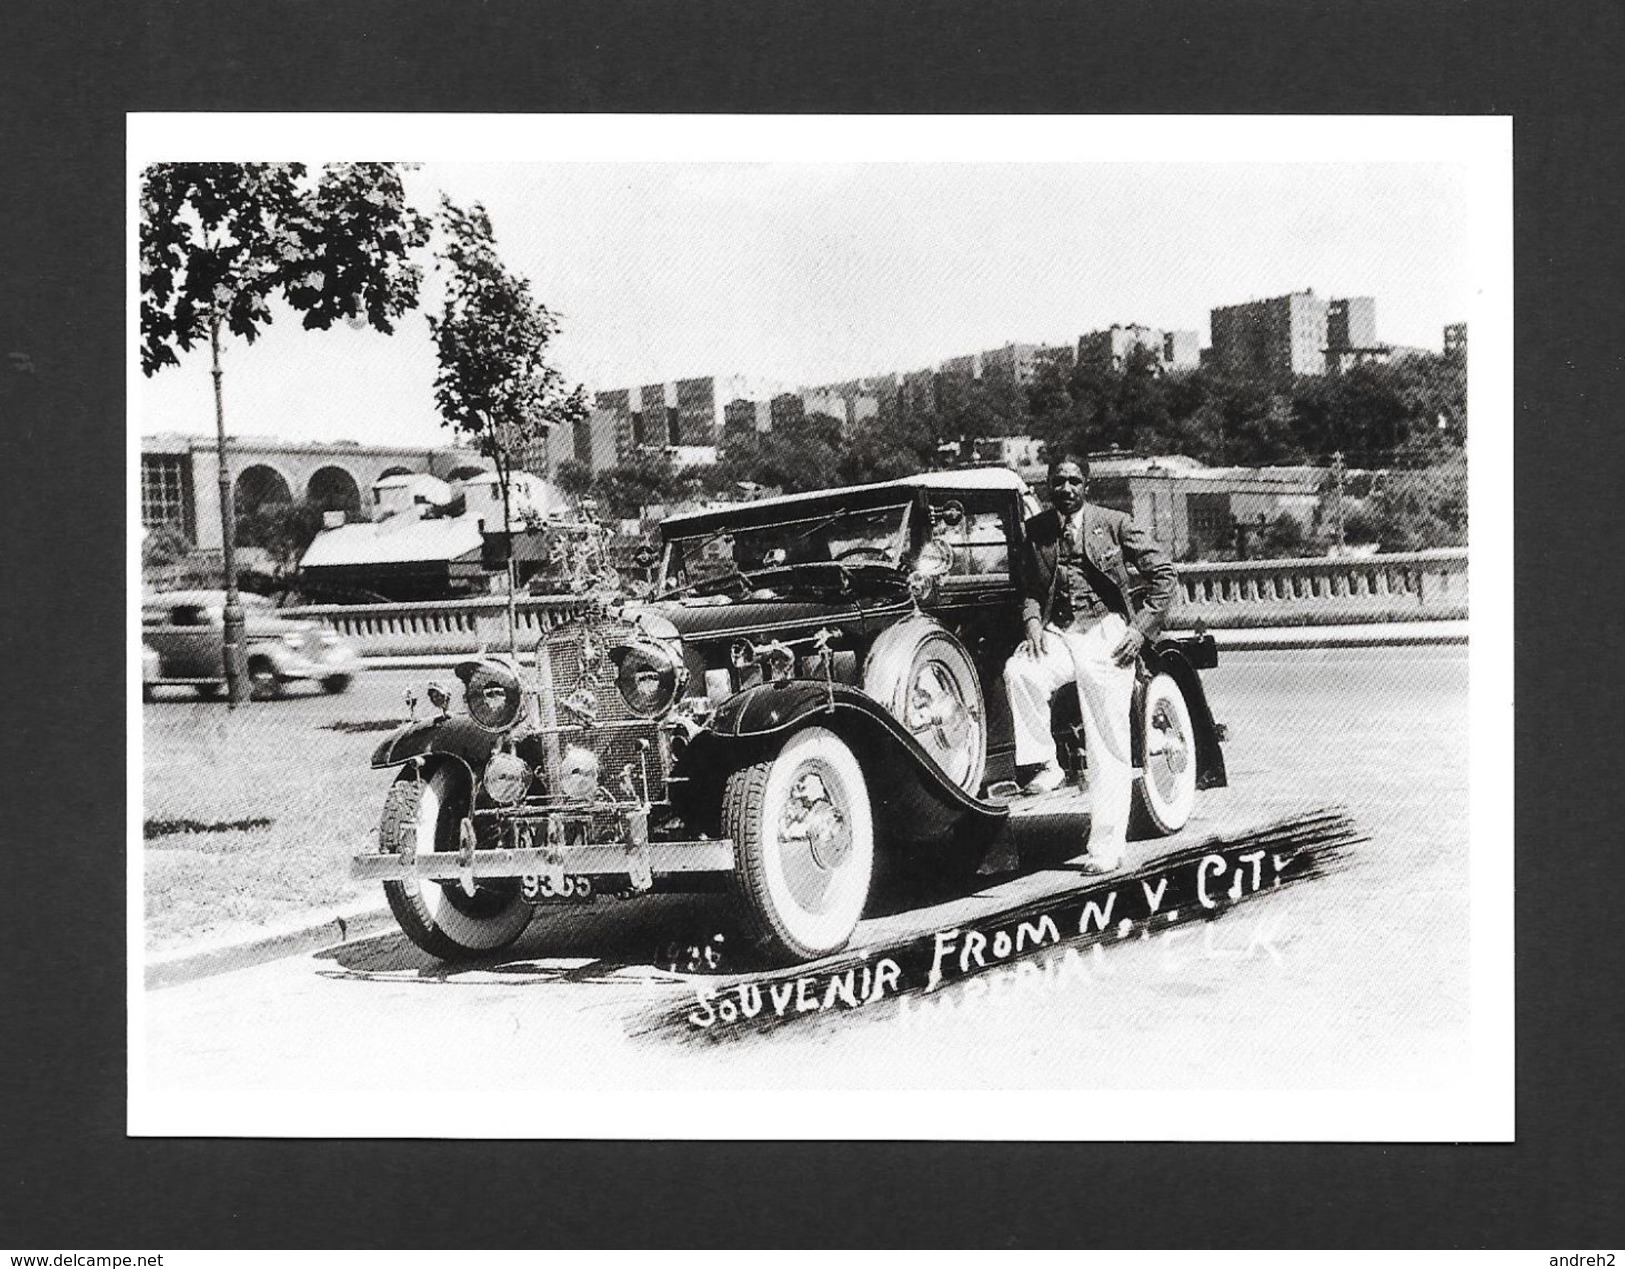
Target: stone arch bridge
(180,476)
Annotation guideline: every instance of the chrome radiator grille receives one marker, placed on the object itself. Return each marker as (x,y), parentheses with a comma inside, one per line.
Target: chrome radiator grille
(579,694)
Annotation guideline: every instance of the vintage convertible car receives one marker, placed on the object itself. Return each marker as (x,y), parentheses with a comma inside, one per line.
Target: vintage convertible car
(815,678)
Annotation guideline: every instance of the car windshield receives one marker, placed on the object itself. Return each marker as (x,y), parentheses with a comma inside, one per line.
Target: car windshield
(873,536)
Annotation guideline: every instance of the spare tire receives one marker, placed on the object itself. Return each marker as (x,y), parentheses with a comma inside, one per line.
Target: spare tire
(924,677)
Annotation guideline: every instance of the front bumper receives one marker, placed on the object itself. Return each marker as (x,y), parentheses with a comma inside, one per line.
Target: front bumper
(600,859)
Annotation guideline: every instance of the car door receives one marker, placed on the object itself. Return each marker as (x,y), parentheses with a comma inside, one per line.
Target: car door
(980,597)
(188,642)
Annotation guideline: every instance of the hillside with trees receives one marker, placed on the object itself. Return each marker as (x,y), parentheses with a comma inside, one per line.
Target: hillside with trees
(1406,419)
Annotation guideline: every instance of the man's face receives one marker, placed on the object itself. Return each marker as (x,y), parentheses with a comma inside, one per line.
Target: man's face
(1066,485)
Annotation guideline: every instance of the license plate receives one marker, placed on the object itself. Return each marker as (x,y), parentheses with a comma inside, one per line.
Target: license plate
(556,887)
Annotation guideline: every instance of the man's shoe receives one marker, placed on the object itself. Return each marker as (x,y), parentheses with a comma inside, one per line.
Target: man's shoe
(1092,863)
(1049,778)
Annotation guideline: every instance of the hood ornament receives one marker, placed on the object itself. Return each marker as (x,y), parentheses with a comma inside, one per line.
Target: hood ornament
(582,705)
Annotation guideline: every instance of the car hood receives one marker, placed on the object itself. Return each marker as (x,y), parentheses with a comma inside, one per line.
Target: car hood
(710,617)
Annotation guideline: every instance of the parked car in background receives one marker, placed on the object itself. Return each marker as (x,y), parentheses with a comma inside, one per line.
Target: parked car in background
(815,678)
(183,645)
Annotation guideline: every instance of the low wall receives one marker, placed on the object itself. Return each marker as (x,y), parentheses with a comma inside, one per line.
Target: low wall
(1423,586)
(442,626)
(1415,586)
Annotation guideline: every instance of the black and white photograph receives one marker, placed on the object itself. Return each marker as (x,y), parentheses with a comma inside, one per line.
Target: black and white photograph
(820,627)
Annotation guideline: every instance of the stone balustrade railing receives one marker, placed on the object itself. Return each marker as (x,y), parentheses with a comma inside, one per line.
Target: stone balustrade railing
(1424,585)
(442,626)
(1411,586)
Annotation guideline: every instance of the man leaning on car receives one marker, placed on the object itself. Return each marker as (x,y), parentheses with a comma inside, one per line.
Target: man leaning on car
(1083,627)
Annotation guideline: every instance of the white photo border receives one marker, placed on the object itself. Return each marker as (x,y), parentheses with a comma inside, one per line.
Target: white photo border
(1478,1108)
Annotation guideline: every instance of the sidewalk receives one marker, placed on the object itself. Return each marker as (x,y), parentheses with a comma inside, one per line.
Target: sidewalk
(330,928)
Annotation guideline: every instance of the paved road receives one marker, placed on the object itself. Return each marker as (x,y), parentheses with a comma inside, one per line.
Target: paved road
(1354,980)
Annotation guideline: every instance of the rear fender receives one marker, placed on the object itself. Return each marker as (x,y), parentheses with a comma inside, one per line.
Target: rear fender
(912,799)
(1174,659)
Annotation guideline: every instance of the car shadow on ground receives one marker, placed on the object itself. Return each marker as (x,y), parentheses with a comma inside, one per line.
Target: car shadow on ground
(686,934)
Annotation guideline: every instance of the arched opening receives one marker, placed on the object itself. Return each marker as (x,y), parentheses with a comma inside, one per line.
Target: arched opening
(334,489)
(467,470)
(394,471)
(258,485)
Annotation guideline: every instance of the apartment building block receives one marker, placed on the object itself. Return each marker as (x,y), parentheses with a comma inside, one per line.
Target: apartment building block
(1271,339)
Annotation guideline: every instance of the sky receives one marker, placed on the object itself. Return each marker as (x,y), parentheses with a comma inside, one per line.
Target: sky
(806,273)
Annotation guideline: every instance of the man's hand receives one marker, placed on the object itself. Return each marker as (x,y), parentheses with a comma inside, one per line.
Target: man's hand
(1129,648)
(1034,643)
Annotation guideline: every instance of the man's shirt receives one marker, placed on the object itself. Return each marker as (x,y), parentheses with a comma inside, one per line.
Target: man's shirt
(1075,598)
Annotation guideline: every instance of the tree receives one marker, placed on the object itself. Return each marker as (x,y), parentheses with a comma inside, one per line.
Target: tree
(284,530)
(220,241)
(1284,538)
(164,544)
(624,490)
(495,386)
(1419,510)
(574,478)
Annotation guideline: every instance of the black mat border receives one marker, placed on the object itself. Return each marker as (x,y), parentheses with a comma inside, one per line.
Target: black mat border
(72,1180)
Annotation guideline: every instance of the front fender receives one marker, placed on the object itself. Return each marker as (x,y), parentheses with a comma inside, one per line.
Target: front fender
(458,737)
(911,798)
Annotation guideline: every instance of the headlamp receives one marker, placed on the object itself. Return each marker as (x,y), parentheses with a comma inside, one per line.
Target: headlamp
(507,777)
(491,691)
(578,774)
(649,675)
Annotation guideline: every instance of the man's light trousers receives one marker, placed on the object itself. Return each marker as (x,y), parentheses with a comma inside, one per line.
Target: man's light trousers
(1082,654)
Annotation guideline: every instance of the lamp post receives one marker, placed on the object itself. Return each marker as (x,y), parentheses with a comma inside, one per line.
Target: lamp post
(1337,498)
(232,649)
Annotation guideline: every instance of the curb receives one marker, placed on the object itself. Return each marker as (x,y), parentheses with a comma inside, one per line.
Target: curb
(350,925)
(329,930)
(1388,635)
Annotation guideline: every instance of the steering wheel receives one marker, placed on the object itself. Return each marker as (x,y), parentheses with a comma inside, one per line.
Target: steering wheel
(872,552)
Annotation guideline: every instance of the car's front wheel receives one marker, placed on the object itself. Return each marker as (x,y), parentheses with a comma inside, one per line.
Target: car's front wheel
(1165,794)
(804,845)
(334,684)
(441,917)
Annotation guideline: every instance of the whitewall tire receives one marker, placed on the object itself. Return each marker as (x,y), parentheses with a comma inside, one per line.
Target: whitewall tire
(440,917)
(804,845)
(1165,792)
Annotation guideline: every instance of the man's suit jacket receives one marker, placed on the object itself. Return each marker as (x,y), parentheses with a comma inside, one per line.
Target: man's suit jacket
(1112,542)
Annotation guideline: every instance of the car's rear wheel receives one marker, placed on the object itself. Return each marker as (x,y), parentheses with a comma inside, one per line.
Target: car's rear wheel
(1165,794)
(264,684)
(336,683)
(441,917)
(927,681)
(804,845)
(208,691)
